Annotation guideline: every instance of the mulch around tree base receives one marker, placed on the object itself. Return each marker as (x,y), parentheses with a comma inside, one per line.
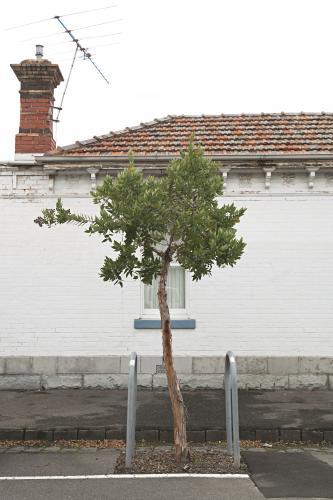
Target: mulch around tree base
(161,460)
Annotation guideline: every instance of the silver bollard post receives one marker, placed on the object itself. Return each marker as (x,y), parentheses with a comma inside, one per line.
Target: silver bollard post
(228,418)
(131,410)
(231,407)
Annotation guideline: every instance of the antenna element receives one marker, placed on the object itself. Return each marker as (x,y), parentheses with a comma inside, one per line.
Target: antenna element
(85,52)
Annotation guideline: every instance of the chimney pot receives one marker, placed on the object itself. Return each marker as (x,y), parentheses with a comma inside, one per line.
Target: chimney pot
(39,51)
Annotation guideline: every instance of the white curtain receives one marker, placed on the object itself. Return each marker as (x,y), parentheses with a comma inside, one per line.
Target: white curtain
(175,290)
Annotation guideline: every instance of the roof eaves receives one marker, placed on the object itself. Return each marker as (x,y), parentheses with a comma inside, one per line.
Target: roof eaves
(107,157)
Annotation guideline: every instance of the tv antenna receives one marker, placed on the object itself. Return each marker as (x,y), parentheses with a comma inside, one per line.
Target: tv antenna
(78,46)
(85,52)
(86,55)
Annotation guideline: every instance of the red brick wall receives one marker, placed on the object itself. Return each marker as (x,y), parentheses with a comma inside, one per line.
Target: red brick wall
(36,125)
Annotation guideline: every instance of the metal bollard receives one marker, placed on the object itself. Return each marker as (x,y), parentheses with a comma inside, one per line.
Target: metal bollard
(131,410)
(231,407)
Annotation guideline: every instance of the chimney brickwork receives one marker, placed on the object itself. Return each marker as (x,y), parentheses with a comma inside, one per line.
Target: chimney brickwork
(38,78)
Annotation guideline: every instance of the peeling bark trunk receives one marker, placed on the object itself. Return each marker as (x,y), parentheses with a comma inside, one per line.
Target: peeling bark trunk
(177,403)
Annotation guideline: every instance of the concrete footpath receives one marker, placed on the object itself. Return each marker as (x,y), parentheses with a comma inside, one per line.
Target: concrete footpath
(99,414)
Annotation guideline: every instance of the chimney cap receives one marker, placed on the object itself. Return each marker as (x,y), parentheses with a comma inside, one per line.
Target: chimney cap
(39,51)
(38,70)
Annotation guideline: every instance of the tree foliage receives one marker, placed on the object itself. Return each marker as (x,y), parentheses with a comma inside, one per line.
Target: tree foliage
(143,217)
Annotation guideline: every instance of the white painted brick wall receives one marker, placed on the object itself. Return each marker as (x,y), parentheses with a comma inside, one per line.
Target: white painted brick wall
(276,301)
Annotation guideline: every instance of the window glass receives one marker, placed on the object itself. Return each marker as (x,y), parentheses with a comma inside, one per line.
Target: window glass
(175,290)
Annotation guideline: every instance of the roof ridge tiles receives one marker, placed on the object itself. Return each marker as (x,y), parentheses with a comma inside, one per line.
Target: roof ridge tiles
(87,141)
(280,113)
(67,147)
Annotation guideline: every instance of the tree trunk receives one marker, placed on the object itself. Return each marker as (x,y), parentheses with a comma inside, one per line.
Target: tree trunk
(177,403)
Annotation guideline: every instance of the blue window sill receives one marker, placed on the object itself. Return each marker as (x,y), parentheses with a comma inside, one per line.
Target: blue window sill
(184,324)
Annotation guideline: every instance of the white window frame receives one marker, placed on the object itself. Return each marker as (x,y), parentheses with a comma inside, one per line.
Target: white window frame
(174,313)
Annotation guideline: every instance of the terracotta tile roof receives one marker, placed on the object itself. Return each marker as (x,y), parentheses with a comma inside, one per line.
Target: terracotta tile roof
(218,134)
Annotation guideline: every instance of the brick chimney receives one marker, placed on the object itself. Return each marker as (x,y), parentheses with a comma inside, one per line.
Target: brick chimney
(38,77)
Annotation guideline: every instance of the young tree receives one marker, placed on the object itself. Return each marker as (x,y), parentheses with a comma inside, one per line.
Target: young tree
(151,221)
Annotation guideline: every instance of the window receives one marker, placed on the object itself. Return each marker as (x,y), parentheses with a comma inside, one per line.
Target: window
(176,290)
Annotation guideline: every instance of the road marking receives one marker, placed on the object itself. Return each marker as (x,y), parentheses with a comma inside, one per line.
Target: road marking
(125,476)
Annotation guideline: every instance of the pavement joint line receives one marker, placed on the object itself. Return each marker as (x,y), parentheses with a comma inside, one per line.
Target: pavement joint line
(126,476)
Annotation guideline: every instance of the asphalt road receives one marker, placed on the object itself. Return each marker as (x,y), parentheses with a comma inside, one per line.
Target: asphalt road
(32,474)
(42,465)
(66,462)
(131,489)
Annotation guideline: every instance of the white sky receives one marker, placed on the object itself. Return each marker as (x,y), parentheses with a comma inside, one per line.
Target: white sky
(173,57)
